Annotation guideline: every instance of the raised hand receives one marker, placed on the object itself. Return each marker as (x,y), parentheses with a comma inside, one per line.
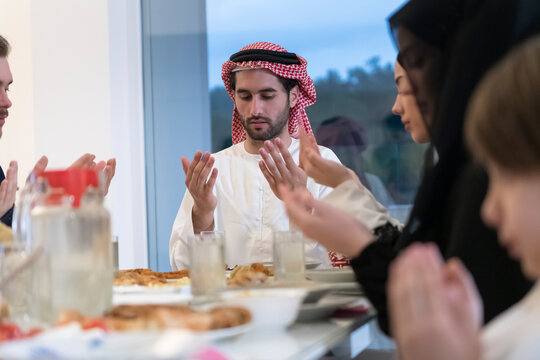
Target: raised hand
(41,164)
(279,168)
(85,161)
(329,226)
(323,171)
(108,167)
(427,320)
(200,186)
(8,188)
(462,294)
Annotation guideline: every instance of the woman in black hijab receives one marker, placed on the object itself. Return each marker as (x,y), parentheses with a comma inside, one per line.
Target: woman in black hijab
(472,36)
(446,46)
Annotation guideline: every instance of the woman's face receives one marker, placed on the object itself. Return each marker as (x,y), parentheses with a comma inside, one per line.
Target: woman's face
(512,206)
(405,106)
(422,63)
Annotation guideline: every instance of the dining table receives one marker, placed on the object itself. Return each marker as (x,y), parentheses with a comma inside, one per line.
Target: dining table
(341,333)
(342,338)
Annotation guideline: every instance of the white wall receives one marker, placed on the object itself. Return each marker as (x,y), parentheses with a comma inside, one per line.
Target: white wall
(78,88)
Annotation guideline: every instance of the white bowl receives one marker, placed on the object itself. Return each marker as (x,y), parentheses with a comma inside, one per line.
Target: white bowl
(272,309)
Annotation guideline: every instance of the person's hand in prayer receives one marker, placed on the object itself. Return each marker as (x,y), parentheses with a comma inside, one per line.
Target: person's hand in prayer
(434,309)
(279,168)
(201,186)
(323,171)
(107,167)
(86,161)
(41,164)
(333,228)
(8,188)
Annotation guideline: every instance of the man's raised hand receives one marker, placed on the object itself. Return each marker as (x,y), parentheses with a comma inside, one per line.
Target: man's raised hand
(200,180)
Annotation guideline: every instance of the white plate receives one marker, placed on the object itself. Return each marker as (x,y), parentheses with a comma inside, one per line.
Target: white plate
(70,342)
(312,265)
(174,281)
(227,332)
(137,289)
(331,275)
(324,308)
(182,297)
(316,291)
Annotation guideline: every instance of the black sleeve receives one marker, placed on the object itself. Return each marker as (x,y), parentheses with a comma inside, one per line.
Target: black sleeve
(371,269)
(8,217)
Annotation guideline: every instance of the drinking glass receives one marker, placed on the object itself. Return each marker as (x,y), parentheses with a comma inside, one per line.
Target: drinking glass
(114,240)
(288,249)
(15,283)
(207,265)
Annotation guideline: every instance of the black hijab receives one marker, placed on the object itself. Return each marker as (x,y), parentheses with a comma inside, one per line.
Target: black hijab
(472,35)
(432,21)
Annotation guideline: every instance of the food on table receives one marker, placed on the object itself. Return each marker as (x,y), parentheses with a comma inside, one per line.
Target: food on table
(6,235)
(241,275)
(269,270)
(4,309)
(178,274)
(148,277)
(157,317)
(182,282)
(10,331)
(244,275)
(258,267)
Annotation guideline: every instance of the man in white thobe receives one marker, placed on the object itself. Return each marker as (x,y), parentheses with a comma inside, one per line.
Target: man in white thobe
(236,189)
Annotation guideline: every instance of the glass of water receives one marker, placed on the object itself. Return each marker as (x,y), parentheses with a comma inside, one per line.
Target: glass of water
(288,249)
(114,240)
(15,283)
(207,265)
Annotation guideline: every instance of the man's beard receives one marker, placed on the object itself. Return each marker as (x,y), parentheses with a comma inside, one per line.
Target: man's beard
(274,129)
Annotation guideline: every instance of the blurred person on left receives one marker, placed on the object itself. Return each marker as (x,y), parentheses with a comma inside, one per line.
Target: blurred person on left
(8,181)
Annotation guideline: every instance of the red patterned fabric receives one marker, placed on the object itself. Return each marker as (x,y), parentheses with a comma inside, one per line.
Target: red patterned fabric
(338,260)
(297,115)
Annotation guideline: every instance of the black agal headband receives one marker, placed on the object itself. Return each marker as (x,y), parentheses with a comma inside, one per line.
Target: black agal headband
(279,57)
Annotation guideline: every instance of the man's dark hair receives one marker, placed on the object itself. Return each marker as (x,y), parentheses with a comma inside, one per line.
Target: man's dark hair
(288,84)
(4,47)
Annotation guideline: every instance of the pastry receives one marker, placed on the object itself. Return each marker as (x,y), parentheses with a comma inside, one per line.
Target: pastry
(158,317)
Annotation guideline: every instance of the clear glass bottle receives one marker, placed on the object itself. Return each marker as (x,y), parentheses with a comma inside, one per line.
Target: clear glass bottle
(71,228)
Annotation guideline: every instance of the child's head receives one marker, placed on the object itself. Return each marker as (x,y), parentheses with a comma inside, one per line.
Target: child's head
(503,132)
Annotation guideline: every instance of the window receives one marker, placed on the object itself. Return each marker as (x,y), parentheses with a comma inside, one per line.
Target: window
(350,57)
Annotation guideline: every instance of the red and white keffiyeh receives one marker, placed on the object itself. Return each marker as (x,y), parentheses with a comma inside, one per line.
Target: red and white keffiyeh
(338,260)
(307,97)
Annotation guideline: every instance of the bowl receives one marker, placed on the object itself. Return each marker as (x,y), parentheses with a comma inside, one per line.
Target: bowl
(272,309)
